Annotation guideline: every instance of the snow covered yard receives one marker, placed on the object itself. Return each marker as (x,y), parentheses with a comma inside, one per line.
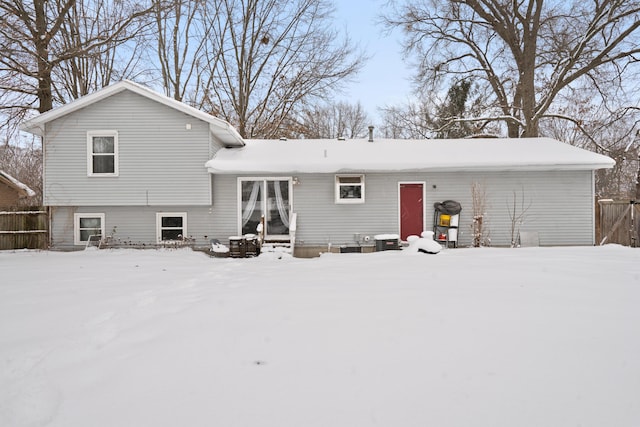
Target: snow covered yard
(468,337)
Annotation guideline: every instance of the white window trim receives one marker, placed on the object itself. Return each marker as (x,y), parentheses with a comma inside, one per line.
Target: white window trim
(76,226)
(338,200)
(90,135)
(160,215)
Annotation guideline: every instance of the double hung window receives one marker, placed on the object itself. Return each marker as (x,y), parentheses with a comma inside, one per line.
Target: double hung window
(171,227)
(102,153)
(87,226)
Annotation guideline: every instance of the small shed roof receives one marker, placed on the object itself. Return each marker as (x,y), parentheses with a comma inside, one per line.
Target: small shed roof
(333,156)
(21,189)
(220,129)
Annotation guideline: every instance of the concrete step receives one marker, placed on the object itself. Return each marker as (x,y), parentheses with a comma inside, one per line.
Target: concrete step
(276,247)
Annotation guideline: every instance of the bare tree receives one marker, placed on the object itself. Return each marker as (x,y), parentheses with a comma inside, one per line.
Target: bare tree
(273,55)
(409,121)
(184,52)
(517,215)
(479,211)
(356,120)
(598,128)
(526,53)
(119,58)
(334,121)
(33,42)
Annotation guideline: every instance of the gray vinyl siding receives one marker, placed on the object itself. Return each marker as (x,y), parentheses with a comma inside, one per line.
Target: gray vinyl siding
(225,205)
(556,204)
(559,205)
(160,161)
(133,225)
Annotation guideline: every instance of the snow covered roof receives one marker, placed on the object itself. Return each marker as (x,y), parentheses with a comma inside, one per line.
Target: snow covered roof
(21,188)
(333,156)
(222,130)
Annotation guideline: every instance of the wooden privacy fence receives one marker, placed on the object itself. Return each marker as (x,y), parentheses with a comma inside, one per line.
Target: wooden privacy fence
(24,229)
(618,222)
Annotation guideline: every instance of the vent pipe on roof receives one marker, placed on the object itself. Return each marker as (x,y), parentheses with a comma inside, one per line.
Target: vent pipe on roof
(370,133)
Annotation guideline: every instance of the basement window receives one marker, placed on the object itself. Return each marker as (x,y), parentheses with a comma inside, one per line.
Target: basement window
(87,226)
(171,227)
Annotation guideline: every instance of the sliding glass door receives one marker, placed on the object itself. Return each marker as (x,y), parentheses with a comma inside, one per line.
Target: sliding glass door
(265,197)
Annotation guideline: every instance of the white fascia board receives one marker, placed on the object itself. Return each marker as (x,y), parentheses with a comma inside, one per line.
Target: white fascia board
(226,134)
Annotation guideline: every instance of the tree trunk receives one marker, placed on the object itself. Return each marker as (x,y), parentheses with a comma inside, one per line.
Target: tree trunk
(638,180)
(527,69)
(42,38)
(513,130)
(45,94)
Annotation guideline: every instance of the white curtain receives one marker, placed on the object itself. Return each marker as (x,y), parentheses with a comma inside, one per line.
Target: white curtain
(283,208)
(251,203)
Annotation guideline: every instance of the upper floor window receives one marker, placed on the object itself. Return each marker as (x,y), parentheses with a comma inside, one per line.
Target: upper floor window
(102,153)
(349,188)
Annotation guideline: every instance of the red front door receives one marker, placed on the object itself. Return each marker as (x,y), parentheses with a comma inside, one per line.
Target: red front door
(411,210)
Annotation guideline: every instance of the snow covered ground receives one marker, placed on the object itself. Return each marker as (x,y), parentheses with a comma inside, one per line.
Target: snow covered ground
(468,337)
